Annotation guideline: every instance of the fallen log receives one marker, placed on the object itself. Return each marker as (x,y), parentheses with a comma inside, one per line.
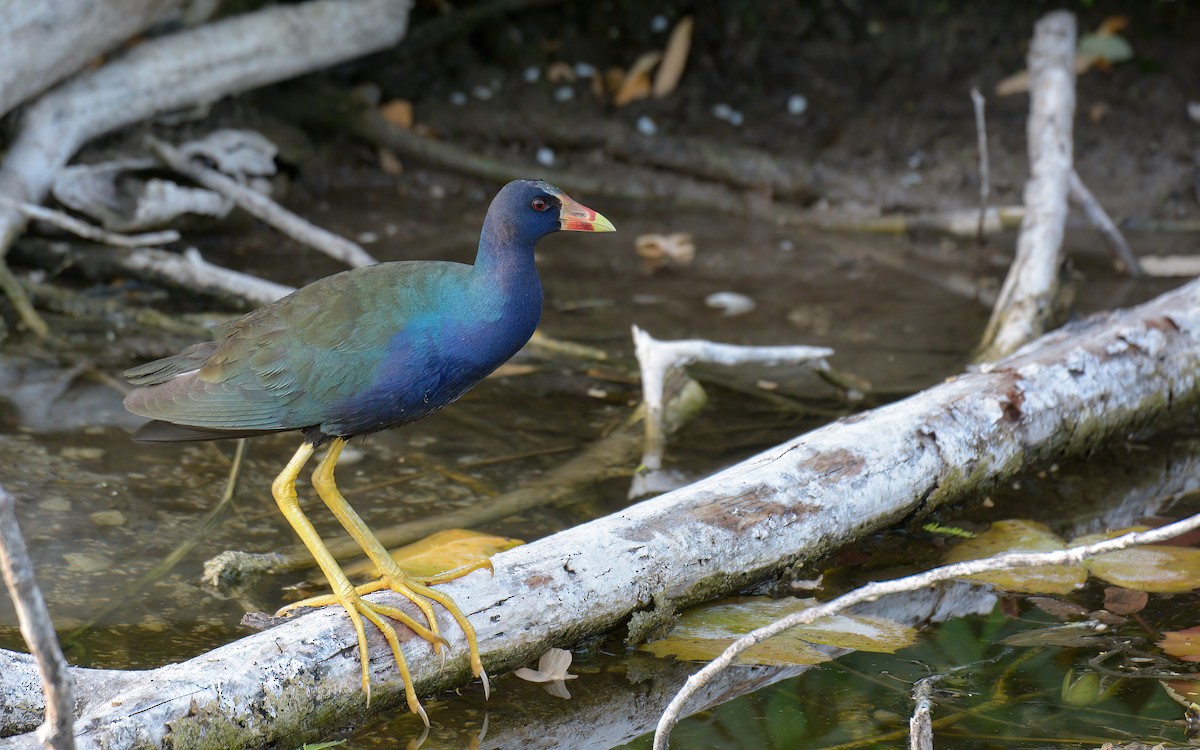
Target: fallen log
(46,41)
(791,504)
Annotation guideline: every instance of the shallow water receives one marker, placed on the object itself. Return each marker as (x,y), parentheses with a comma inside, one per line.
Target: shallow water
(902,313)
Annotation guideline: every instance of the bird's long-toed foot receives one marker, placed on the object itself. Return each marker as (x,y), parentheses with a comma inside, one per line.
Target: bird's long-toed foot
(350,597)
(378,614)
(392,578)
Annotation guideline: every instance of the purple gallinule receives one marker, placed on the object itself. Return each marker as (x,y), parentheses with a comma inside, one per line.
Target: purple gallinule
(359,352)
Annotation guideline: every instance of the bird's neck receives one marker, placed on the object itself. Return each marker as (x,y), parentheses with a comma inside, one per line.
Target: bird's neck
(503,259)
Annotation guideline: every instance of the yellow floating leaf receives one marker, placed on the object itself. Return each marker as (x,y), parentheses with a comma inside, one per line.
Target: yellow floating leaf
(441,552)
(636,84)
(666,80)
(704,632)
(398,112)
(1156,569)
(1020,536)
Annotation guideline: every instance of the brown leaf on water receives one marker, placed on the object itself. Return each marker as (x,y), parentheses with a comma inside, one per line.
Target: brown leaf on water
(398,112)
(636,84)
(1182,644)
(1124,601)
(666,80)
(1058,608)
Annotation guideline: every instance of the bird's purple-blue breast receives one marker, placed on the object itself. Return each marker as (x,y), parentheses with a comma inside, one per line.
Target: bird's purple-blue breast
(434,359)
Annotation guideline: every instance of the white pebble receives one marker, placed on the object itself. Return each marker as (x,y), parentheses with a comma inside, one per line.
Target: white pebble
(727,113)
(545,156)
(532,74)
(797,104)
(646,126)
(458,98)
(366,238)
(482,93)
(1193,111)
(564,94)
(787,245)
(585,70)
(730,303)
(659,24)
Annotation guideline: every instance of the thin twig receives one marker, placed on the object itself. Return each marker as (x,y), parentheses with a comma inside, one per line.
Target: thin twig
(873,591)
(263,207)
(1101,220)
(985,180)
(920,724)
(58,730)
(90,231)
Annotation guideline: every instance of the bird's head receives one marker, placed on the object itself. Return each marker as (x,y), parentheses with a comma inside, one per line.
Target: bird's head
(527,210)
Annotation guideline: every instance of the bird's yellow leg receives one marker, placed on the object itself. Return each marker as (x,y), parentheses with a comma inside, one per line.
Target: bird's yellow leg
(284,491)
(392,577)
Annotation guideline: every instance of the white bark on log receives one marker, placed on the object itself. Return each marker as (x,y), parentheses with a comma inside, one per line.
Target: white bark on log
(1062,394)
(1027,299)
(48,40)
(197,66)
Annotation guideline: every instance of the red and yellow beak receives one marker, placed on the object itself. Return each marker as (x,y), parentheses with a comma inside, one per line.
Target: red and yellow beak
(576,217)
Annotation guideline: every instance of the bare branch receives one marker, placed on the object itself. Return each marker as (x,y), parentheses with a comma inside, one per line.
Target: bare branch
(90,231)
(264,208)
(58,730)
(1026,305)
(1100,219)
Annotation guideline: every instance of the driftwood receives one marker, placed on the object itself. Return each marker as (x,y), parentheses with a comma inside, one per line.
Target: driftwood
(185,69)
(793,503)
(46,41)
(1027,301)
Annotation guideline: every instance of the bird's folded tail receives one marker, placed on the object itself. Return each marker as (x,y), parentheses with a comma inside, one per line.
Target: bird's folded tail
(158,431)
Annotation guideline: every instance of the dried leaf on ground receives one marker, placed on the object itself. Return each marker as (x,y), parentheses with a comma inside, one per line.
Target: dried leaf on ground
(666,80)
(636,83)
(398,112)
(659,250)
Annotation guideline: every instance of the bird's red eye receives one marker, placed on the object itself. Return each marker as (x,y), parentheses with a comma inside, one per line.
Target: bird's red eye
(539,204)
